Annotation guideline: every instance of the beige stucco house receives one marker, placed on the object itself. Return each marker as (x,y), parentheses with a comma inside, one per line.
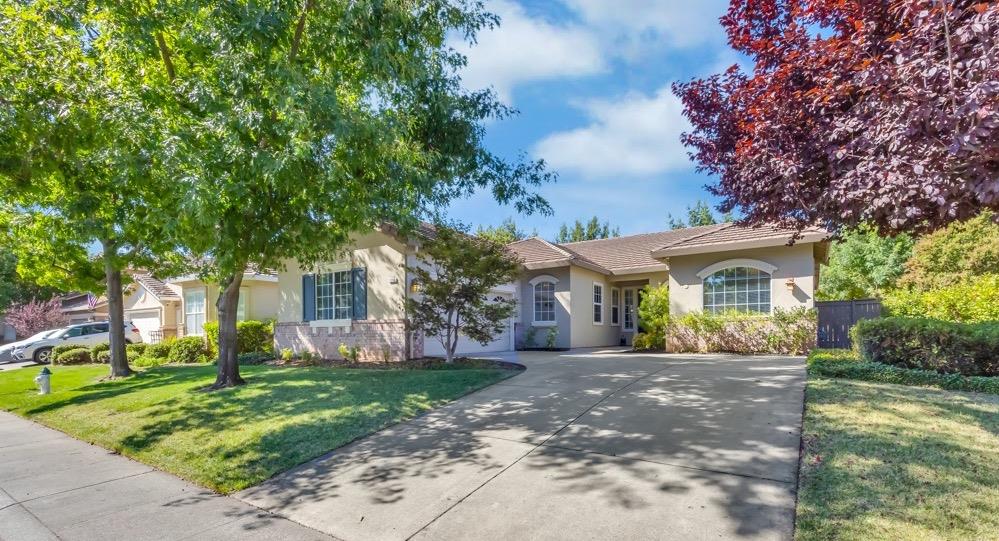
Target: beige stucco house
(181,306)
(587,291)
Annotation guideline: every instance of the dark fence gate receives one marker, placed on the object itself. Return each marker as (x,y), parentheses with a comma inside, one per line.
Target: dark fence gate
(836,318)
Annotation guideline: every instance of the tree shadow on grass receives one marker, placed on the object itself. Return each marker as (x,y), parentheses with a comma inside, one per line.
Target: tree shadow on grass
(890,461)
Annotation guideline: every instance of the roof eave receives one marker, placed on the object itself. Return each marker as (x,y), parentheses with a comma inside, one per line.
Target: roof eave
(807,237)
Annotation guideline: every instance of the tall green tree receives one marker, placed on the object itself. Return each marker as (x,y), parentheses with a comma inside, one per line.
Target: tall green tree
(863,264)
(75,170)
(954,254)
(698,215)
(14,288)
(456,273)
(291,125)
(591,230)
(505,233)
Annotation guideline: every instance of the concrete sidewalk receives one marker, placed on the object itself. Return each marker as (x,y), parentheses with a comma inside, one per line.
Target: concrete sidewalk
(55,487)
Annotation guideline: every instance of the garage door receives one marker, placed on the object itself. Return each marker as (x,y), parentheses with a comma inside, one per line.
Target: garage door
(146,322)
(432,347)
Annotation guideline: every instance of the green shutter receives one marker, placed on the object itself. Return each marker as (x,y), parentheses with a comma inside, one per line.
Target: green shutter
(308,297)
(360,290)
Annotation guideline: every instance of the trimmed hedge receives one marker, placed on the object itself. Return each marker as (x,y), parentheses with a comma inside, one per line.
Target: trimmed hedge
(784,331)
(137,349)
(187,350)
(77,355)
(161,350)
(63,348)
(255,357)
(97,349)
(251,336)
(969,349)
(845,364)
(146,362)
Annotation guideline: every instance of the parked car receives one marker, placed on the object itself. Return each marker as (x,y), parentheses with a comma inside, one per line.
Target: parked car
(7,350)
(84,335)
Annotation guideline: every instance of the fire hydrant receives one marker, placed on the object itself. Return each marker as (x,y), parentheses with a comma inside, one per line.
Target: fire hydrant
(42,380)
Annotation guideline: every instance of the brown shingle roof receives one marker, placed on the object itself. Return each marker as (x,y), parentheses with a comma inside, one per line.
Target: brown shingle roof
(634,251)
(154,285)
(536,252)
(732,234)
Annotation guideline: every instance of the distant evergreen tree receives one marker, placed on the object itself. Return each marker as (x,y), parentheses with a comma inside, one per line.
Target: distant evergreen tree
(591,230)
(699,214)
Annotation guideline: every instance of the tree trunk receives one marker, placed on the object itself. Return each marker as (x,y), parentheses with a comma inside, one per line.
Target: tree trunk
(452,336)
(228,361)
(116,314)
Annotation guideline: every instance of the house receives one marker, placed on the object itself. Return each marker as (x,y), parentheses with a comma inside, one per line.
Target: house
(80,307)
(588,291)
(181,306)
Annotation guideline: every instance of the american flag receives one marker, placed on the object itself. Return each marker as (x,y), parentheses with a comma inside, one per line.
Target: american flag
(91,300)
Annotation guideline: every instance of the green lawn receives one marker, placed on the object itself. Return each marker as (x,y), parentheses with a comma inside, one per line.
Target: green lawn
(232,439)
(893,462)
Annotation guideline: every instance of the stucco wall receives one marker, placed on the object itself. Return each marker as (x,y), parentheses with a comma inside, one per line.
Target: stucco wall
(261,302)
(385,260)
(798,262)
(562,308)
(586,333)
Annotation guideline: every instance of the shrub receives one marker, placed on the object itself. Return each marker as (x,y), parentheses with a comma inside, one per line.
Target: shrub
(785,332)
(530,337)
(188,350)
(653,313)
(251,336)
(78,355)
(147,362)
(845,364)
(348,353)
(255,357)
(159,350)
(974,300)
(137,349)
(103,356)
(640,342)
(103,346)
(970,349)
(63,348)
(550,337)
(287,354)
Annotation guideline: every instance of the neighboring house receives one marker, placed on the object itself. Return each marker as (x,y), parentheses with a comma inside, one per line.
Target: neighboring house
(7,333)
(590,290)
(152,305)
(258,299)
(83,307)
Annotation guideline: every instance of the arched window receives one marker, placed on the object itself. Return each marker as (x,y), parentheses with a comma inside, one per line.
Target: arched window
(739,289)
(544,299)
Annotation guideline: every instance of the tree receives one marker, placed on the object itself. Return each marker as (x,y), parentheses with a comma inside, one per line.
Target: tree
(75,168)
(698,215)
(14,289)
(854,112)
(954,255)
(456,274)
(591,230)
(34,316)
(288,127)
(505,233)
(863,264)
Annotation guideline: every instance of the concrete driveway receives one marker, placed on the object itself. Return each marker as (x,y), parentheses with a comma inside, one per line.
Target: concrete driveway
(582,445)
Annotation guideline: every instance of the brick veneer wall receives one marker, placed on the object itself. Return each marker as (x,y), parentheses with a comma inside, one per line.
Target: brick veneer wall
(372,338)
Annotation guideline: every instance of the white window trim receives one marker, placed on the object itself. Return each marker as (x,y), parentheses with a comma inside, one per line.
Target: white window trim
(729,263)
(204,313)
(619,302)
(596,304)
(624,307)
(244,295)
(543,279)
(326,323)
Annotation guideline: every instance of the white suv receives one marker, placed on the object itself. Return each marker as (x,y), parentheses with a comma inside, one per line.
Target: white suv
(85,335)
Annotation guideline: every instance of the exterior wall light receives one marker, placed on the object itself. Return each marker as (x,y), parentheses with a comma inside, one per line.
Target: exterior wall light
(790,284)
(415,287)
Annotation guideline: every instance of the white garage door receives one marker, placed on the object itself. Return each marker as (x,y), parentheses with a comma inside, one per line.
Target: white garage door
(146,322)
(432,347)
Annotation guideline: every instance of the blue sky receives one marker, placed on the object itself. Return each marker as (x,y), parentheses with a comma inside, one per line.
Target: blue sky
(591,79)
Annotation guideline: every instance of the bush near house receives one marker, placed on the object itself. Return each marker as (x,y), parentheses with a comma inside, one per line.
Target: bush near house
(136,349)
(969,349)
(973,300)
(251,336)
(97,349)
(846,364)
(188,350)
(77,355)
(64,348)
(784,332)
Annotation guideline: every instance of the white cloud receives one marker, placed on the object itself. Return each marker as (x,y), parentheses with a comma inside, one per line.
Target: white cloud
(639,24)
(525,49)
(634,136)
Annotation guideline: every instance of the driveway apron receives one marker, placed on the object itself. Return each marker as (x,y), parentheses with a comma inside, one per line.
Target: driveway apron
(582,445)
